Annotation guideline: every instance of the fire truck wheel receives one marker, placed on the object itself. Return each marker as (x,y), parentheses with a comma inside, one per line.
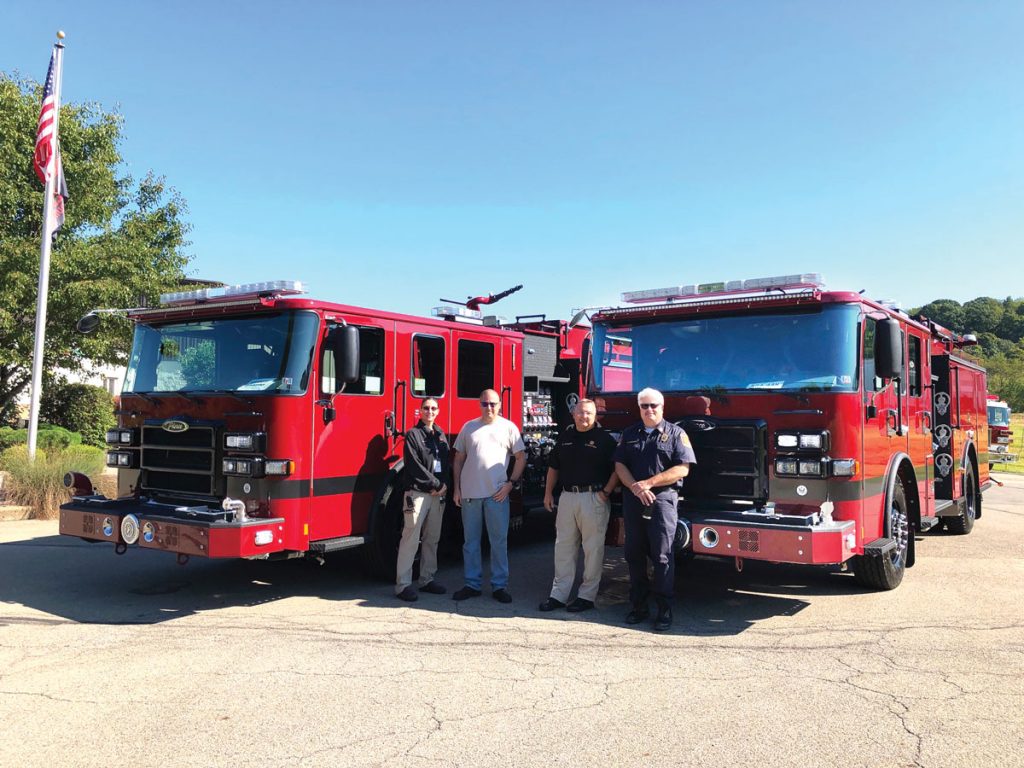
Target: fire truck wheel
(381,551)
(886,571)
(964,523)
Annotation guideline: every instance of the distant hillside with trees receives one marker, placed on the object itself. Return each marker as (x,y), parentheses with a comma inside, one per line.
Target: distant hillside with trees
(999,326)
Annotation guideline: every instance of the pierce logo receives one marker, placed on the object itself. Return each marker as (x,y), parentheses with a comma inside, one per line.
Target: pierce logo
(173,425)
(701,425)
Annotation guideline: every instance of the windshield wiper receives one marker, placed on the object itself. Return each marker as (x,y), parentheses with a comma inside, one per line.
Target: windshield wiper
(231,393)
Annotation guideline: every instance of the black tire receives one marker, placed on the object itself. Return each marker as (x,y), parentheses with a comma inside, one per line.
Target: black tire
(886,571)
(964,522)
(381,551)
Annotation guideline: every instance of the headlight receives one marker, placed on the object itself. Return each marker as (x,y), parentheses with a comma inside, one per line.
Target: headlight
(243,467)
(278,466)
(813,467)
(786,441)
(785,466)
(120,459)
(244,441)
(844,467)
(810,441)
(120,436)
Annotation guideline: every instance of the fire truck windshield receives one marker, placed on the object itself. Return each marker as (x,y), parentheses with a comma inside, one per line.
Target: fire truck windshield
(998,415)
(266,353)
(796,351)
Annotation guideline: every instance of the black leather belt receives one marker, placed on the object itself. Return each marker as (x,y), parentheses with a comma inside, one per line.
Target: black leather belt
(583,488)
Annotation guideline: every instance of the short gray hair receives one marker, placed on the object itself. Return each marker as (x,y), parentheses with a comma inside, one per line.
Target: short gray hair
(649,392)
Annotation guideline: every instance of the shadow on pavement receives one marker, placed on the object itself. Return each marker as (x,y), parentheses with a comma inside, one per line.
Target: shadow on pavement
(88,583)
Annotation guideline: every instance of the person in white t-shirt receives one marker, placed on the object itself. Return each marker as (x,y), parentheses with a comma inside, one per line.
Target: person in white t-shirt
(482,486)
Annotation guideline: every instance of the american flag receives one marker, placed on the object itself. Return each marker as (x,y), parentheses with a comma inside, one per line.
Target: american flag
(47,155)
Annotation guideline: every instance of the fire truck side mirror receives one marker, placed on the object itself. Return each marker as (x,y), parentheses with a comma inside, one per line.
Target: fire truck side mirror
(889,349)
(344,343)
(88,323)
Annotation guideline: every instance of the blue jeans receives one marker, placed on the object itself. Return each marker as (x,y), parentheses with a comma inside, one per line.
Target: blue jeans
(475,514)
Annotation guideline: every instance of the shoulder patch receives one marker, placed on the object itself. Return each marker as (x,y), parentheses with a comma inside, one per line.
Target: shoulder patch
(685,439)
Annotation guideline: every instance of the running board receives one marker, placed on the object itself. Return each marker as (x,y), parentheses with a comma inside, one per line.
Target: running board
(949,508)
(879,547)
(334,545)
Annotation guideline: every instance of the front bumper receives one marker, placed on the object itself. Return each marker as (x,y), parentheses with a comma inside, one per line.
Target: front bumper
(771,537)
(170,530)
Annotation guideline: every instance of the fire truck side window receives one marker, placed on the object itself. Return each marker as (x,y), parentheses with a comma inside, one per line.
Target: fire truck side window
(914,369)
(371,366)
(476,367)
(427,366)
(871,382)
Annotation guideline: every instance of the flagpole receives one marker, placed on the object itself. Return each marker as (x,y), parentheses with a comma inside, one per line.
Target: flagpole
(44,259)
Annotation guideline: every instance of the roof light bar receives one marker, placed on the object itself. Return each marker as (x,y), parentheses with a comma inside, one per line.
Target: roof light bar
(269,287)
(691,292)
(450,310)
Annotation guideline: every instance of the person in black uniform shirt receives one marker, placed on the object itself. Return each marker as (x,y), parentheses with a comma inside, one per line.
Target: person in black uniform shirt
(427,462)
(651,459)
(582,461)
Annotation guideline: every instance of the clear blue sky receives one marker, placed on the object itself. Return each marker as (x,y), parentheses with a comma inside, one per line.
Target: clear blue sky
(389,153)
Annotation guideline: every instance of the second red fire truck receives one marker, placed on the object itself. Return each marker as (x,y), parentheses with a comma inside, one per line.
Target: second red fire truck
(828,428)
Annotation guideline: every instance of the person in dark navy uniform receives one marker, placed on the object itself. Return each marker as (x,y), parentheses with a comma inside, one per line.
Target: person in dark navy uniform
(651,460)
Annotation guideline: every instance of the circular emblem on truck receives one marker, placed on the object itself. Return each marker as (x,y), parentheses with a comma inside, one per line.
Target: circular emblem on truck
(174,425)
(130,528)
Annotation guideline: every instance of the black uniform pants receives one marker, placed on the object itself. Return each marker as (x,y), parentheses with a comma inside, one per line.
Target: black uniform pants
(652,539)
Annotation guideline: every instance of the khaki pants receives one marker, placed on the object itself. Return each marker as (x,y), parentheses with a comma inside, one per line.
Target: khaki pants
(423,514)
(582,518)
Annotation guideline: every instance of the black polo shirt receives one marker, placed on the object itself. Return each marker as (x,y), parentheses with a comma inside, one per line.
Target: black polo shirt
(583,458)
(646,454)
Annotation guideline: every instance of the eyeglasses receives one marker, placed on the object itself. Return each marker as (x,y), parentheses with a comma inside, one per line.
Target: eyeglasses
(650,406)
(485,404)
(428,408)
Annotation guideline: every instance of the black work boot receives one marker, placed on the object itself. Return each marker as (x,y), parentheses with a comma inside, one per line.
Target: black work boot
(663,620)
(639,613)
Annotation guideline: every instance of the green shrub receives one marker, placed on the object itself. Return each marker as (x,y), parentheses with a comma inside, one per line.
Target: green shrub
(83,408)
(40,484)
(49,437)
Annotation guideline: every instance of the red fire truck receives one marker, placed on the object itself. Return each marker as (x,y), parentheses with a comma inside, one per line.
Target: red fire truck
(258,423)
(1000,433)
(828,427)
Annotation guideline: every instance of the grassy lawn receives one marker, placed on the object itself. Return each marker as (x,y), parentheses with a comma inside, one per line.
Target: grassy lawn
(1017,468)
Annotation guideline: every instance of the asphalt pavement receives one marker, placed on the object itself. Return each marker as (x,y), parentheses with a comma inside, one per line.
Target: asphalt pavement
(135,660)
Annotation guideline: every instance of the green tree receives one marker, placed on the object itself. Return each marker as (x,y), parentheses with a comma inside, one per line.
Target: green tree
(122,241)
(82,408)
(945,312)
(982,315)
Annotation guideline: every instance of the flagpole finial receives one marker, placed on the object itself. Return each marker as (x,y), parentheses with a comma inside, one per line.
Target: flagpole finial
(60,34)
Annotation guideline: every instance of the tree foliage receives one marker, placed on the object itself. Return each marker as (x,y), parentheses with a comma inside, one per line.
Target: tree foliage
(122,241)
(82,408)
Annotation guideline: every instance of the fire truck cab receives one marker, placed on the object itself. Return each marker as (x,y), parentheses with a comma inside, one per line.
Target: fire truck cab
(257,423)
(827,427)
(1000,439)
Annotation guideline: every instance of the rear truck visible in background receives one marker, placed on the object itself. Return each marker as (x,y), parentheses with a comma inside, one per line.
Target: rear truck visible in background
(1000,433)
(828,427)
(257,423)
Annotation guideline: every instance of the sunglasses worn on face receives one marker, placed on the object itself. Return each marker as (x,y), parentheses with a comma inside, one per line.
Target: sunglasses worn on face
(651,406)
(485,404)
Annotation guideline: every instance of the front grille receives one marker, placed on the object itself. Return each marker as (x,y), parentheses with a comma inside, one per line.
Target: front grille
(732,460)
(180,463)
